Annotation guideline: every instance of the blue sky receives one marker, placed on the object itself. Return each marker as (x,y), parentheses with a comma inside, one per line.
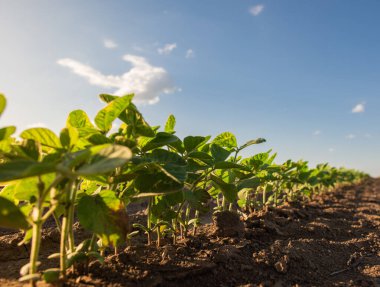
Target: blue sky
(305,75)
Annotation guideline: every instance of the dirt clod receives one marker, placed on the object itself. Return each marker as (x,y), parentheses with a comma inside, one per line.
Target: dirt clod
(228,224)
(281,265)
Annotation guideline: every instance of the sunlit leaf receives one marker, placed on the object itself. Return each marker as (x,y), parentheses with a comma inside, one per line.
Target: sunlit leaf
(3,103)
(7,132)
(106,160)
(170,124)
(42,135)
(105,215)
(11,216)
(111,112)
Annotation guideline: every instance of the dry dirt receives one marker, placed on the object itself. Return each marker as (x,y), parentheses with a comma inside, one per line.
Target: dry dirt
(332,241)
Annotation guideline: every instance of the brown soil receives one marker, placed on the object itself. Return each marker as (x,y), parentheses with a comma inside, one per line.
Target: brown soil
(332,241)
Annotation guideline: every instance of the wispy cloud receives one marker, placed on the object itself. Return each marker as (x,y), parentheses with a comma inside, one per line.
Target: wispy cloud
(317,132)
(109,44)
(331,149)
(256,10)
(359,108)
(190,54)
(368,136)
(350,136)
(145,80)
(37,125)
(167,49)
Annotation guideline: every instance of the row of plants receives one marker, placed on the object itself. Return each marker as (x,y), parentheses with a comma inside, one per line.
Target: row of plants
(91,172)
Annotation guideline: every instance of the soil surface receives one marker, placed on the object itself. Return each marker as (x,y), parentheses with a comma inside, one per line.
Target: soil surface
(332,241)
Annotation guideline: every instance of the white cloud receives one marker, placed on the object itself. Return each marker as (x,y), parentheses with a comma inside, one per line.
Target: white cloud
(256,10)
(109,44)
(317,133)
(190,54)
(359,108)
(146,81)
(331,149)
(350,136)
(368,136)
(167,49)
(37,125)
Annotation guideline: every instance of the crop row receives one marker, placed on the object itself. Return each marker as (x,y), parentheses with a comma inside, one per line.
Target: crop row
(91,173)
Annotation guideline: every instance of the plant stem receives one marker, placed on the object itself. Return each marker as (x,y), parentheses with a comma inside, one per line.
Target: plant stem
(158,235)
(149,222)
(264,195)
(36,241)
(63,247)
(73,193)
(66,229)
(196,223)
(224,203)
(174,223)
(57,222)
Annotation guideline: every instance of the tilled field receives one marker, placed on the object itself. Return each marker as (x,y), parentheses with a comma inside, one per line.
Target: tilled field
(333,241)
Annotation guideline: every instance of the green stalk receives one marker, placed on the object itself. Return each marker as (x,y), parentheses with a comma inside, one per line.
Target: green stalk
(36,240)
(63,254)
(224,203)
(65,230)
(264,195)
(158,235)
(174,223)
(149,222)
(36,231)
(57,222)
(187,218)
(71,211)
(196,224)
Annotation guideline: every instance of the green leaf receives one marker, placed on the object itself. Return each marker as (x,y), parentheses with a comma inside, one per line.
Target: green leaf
(230,165)
(51,275)
(197,198)
(27,188)
(229,190)
(161,139)
(252,142)
(219,153)
(106,160)
(28,234)
(170,124)
(69,136)
(192,143)
(226,140)
(7,132)
(79,119)
(111,112)
(29,149)
(157,183)
(105,215)
(11,216)
(21,168)
(3,103)
(8,192)
(76,257)
(42,135)
(165,156)
(107,98)
(200,155)
(252,182)
(170,163)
